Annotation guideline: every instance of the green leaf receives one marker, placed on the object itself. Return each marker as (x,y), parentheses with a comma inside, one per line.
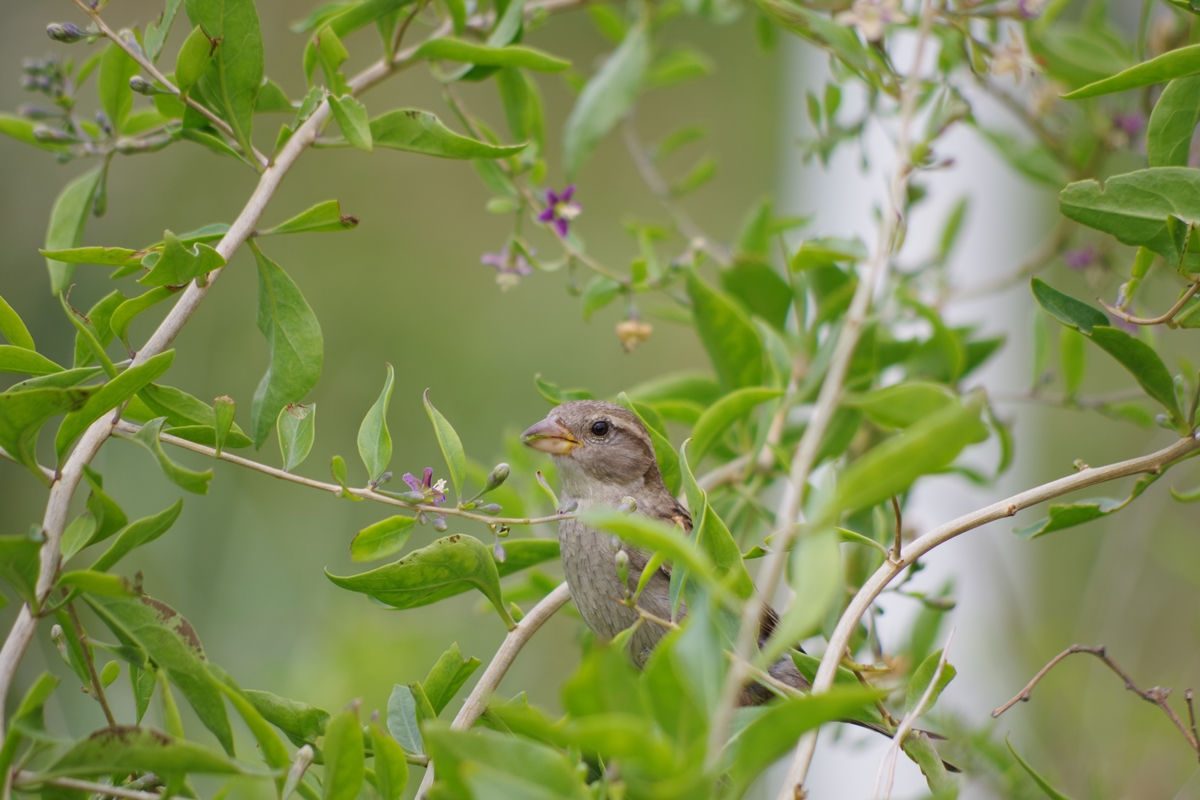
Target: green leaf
(302,723)
(233,78)
(273,751)
(599,292)
(921,679)
(1141,209)
(67,221)
(1178,63)
(168,640)
(343,752)
(381,539)
(391,767)
(194,57)
(98,583)
(1068,515)
(100,322)
(902,404)
(1142,362)
(402,719)
(158,30)
(450,49)
(656,536)
(125,313)
(890,467)
(13,328)
(446,567)
(841,40)
(24,412)
(422,132)
(450,444)
(730,338)
(817,577)
(297,428)
(148,437)
(759,287)
(665,455)
(718,417)
(191,418)
(1042,783)
(223,410)
(1073,359)
(29,716)
(116,98)
(108,515)
(679,64)
(138,533)
(491,766)
(712,535)
(297,347)
(606,97)
(108,397)
(448,676)
(358,15)
(374,441)
(179,264)
(351,117)
(322,217)
(20,562)
(23,130)
(1172,123)
(1031,159)
(126,748)
(775,731)
(1066,309)
(25,362)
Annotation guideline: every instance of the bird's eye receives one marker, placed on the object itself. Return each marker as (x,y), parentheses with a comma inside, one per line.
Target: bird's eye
(600,427)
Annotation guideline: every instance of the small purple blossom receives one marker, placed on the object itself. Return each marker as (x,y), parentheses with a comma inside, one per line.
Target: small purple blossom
(1030,8)
(560,211)
(1131,124)
(507,262)
(434,492)
(1080,257)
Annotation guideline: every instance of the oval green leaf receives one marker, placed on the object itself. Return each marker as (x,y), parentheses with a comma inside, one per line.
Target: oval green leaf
(422,132)
(450,444)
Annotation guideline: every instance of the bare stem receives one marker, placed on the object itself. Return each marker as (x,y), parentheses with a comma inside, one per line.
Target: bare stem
(27,780)
(49,473)
(90,662)
(333,488)
(1161,318)
(153,71)
(899,529)
(1156,694)
(477,702)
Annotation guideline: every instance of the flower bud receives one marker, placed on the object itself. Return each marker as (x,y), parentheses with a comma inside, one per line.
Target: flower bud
(627,505)
(571,505)
(632,333)
(500,553)
(491,509)
(412,497)
(440,525)
(304,758)
(66,32)
(56,636)
(497,476)
(44,134)
(37,112)
(143,86)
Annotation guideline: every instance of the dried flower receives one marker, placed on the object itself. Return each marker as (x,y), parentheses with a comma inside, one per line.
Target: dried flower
(631,332)
(870,17)
(560,210)
(1014,58)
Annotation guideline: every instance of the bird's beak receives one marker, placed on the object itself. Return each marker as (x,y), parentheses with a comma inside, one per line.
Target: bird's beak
(550,436)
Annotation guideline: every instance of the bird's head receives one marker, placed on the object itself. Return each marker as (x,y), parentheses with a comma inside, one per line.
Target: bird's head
(594,444)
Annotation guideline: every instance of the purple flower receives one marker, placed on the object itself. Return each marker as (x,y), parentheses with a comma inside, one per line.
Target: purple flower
(507,262)
(434,492)
(1124,324)
(1030,8)
(1080,258)
(1131,124)
(560,210)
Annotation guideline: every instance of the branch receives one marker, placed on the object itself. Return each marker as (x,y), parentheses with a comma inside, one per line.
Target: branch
(27,779)
(840,640)
(90,662)
(148,65)
(366,494)
(477,702)
(1166,317)
(1155,695)
(49,473)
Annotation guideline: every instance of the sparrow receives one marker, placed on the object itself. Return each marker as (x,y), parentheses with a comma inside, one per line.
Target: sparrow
(604,454)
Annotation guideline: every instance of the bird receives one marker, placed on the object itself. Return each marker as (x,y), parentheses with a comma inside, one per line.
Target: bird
(604,454)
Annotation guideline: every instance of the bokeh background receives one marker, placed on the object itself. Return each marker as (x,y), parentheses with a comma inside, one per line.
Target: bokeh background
(245,563)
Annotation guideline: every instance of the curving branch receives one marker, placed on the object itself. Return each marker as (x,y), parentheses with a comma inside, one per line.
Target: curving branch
(1156,695)
(477,702)
(27,781)
(1153,463)
(365,494)
(1168,316)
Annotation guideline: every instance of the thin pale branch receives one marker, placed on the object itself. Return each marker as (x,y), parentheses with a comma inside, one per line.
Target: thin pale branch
(49,473)
(477,702)
(153,71)
(333,488)
(1156,694)
(1166,317)
(27,780)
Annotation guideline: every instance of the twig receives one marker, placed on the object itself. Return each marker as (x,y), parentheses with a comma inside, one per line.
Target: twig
(659,188)
(153,71)
(49,473)
(477,702)
(28,779)
(887,766)
(90,662)
(1160,319)
(1153,463)
(333,488)
(899,530)
(1187,697)
(1156,694)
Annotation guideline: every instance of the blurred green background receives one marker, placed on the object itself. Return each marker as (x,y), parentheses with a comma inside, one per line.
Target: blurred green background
(245,563)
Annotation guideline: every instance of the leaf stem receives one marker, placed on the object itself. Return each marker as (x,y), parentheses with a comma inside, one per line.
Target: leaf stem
(1166,317)
(90,662)
(28,779)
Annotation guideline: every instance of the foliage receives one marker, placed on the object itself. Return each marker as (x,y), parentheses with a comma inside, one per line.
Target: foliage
(836,381)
